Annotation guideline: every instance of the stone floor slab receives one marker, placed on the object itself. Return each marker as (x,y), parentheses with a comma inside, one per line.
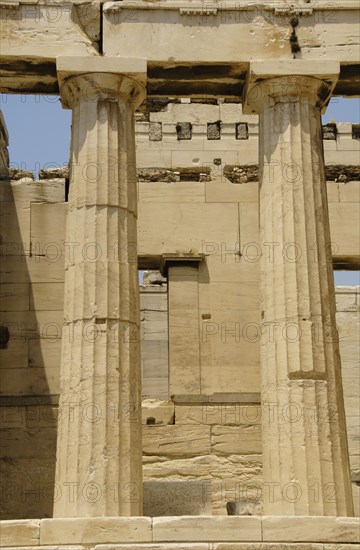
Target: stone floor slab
(310,529)
(95,530)
(207,528)
(16,533)
(266,546)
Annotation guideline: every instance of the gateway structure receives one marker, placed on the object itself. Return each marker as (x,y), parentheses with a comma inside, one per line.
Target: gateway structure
(246,414)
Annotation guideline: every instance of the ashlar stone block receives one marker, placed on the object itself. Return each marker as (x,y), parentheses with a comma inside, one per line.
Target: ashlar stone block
(95,530)
(177,498)
(220,528)
(20,532)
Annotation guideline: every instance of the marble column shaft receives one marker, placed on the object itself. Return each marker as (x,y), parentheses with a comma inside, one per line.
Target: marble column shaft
(99,451)
(305,456)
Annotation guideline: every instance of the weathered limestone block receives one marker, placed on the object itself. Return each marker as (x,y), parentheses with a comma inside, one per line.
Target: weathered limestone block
(26,381)
(180,192)
(52,547)
(48,243)
(221,414)
(14,354)
(45,352)
(158,546)
(41,33)
(27,486)
(14,297)
(151,278)
(99,530)
(310,529)
(214,223)
(350,192)
(12,417)
(195,112)
(154,337)
(200,546)
(15,225)
(18,443)
(54,173)
(16,174)
(207,528)
(176,441)
(266,546)
(47,297)
(184,360)
(332,188)
(42,416)
(162,412)
(22,269)
(344,245)
(242,173)
(224,191)
(346,299)
(356,496)
(234,478)
(177,498)
(20,532)
(236,440)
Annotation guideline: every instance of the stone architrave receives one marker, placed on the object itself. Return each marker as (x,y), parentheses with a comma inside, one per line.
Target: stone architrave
(99,452)
(305,456)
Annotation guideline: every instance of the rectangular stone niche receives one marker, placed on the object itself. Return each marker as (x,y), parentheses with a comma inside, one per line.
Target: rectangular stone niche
(184,130)
(177,498)
(241,130)
(214,130)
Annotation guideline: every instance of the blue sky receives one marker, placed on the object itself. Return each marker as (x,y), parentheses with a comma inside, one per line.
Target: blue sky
(39,136)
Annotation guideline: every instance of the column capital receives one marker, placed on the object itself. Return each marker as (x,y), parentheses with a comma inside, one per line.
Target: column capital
(270,82)
(94,78)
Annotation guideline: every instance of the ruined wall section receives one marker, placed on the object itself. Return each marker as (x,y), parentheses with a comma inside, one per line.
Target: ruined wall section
(31,319)
(216,138)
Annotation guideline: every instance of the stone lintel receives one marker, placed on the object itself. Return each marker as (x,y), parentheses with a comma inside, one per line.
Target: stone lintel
(169,260)
(260,71)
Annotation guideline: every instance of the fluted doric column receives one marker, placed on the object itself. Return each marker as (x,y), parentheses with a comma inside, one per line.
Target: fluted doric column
(99,451)
(305,457)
